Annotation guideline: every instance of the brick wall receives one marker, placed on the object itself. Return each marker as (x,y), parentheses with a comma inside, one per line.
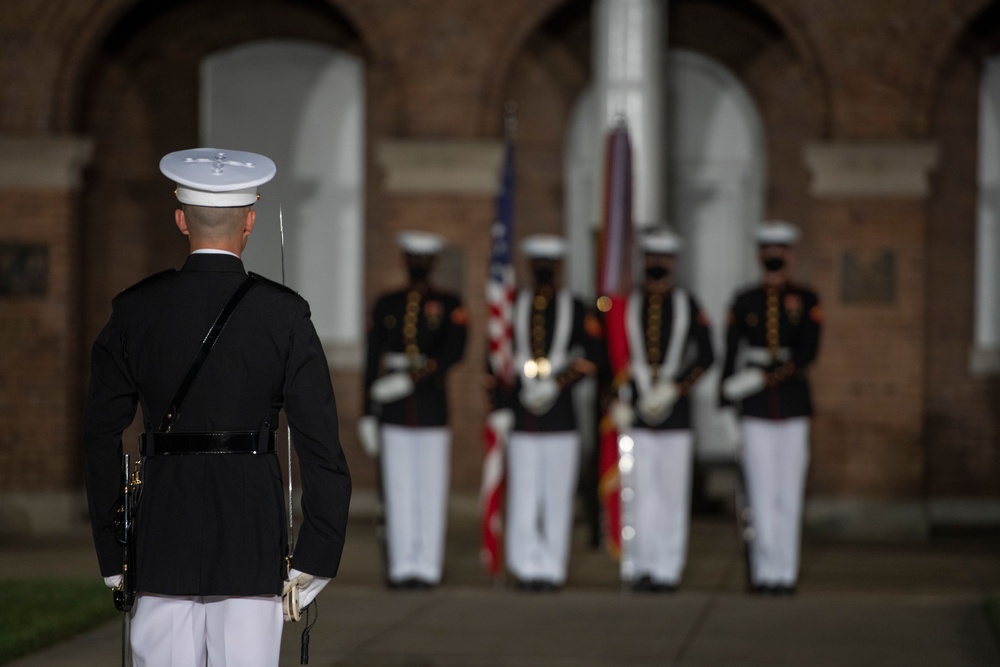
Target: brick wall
(39,393)
(898,410)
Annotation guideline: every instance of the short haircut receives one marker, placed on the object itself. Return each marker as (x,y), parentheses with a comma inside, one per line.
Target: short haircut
(214,221)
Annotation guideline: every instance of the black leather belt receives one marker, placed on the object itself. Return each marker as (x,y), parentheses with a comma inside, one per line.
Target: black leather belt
(223,442)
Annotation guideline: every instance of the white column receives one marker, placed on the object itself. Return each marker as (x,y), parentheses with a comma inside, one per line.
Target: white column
(629,53)
(986,350)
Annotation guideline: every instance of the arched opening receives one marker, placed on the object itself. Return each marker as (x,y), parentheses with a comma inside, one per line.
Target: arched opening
(301,104)
(141,98)
(715,186)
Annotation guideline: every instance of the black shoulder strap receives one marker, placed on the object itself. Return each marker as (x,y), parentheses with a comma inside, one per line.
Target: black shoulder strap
(206,347)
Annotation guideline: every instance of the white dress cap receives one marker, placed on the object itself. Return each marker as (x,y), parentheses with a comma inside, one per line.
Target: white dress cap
(420,243)
(660,242)
(217,177)
(776,232)
(543,246)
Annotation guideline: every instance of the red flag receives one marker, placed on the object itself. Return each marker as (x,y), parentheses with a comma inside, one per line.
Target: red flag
(614,285)
(500,328)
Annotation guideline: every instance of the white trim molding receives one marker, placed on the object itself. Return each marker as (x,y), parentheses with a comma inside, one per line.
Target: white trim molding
(867,519)
(888,520)
(43,161)
(441,167)
(876,169)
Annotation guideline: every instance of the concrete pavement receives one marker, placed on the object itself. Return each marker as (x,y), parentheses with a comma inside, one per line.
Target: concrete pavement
(858,604)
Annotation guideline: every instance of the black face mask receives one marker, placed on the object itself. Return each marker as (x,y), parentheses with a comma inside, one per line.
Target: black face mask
(774,263)
(418,274)
(544,276)
(657,272)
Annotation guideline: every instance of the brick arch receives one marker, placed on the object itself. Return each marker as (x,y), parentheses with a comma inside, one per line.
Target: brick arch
(546,64)
(137,99)
(524,27)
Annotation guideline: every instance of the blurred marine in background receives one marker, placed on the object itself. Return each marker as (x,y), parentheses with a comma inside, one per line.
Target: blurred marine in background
(771,340)
(670,348)
(556,344)
(415,336)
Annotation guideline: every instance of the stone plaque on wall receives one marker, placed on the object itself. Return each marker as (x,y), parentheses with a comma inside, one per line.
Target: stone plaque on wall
(24,269)
(868,279)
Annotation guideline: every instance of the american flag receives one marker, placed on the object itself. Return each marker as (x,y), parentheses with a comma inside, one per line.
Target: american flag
(614,284)
(500,302)
(500,285)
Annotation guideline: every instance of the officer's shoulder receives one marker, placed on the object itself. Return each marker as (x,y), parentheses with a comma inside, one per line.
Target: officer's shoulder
(390,297)
(748,293)
(145,284)
(273,284)
(447,297)
(802,289)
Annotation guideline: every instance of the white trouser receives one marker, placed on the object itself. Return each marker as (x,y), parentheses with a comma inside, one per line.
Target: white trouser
(541,485)
(775,460)
(183,631)
(415,469)
(662,505)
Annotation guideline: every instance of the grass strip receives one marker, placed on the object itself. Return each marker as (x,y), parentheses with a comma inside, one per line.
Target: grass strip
(38,613)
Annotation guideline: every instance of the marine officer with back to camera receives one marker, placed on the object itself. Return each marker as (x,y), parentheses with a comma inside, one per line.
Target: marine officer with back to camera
(211,526)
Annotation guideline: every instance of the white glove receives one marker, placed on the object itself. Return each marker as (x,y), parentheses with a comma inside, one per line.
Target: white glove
(368,435)
(656,404)
(392,387)
(731,431)
(114,581)
(502,421)
(538,396)
(623,416)
(744,384)
(299,591)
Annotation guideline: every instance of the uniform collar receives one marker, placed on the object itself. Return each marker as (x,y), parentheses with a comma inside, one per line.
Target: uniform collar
(204,261)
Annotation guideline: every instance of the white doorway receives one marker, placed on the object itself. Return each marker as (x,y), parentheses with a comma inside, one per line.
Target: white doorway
(302,105)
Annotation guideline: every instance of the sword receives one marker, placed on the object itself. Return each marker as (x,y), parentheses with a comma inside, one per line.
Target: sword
(291,508)
(304,646)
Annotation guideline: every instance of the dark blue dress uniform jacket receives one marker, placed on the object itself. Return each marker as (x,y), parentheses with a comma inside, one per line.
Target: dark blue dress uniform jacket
(799,320)
(215,524)
(440,337)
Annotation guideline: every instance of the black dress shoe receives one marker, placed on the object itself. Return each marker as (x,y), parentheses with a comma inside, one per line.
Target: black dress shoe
(783,590)
(664,587)
(643,584)
(547,586)
(527,585)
